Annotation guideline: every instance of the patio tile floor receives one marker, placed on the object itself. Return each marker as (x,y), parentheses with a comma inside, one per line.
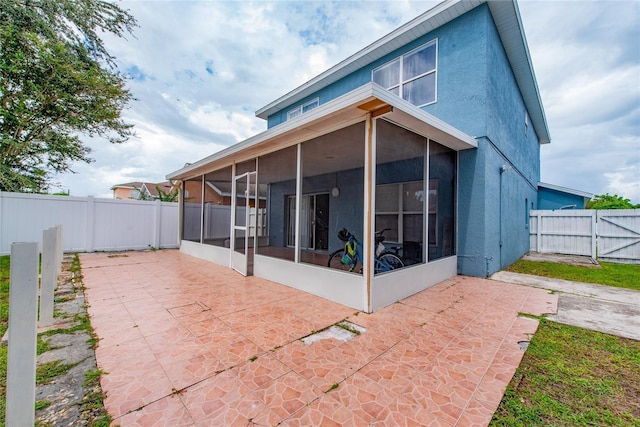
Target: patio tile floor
(184,342)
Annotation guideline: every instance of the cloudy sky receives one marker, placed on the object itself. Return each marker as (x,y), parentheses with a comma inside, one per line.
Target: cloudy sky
(200,69)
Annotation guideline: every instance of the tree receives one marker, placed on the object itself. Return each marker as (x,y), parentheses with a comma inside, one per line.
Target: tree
(167,196)
(57,82)
(607,201)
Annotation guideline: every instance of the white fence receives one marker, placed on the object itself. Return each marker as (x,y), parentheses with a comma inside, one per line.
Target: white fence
(217,221)
(610,235)
(90,224)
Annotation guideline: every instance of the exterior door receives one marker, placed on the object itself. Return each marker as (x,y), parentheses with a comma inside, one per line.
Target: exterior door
(244,231)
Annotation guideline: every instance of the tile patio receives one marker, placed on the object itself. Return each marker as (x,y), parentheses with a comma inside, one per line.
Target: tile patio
(187,343)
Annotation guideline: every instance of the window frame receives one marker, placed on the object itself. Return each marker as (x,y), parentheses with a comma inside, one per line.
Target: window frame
(400,210)
(399,86)
(299,110)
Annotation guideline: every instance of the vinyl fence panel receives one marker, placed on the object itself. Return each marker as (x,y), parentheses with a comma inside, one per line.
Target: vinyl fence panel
(89,224)
(613,234)
(563,232)
(619,235)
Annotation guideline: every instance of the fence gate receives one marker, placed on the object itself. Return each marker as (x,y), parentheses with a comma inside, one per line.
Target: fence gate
(571,232)
(610,235)
(619,235)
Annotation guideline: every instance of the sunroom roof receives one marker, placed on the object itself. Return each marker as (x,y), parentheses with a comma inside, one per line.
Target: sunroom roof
(336,114)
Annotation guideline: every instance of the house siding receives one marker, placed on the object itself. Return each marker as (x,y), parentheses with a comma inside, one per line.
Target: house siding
(553,199)
(478,94)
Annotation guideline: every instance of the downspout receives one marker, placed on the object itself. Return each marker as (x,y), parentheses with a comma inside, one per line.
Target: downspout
(503,169)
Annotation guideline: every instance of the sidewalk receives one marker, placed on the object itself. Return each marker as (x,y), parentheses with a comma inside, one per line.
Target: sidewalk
(600,308)
(184,342)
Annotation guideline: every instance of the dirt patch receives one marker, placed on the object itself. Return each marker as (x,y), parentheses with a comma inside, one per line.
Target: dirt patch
(584,261)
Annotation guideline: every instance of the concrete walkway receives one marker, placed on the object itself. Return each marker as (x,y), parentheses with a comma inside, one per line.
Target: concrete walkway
(184,342)
(600,308)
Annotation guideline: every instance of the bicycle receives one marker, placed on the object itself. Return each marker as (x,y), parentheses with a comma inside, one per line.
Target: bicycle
(347,258)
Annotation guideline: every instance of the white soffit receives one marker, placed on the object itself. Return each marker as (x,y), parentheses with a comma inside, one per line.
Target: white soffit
(326,118)
(565,190)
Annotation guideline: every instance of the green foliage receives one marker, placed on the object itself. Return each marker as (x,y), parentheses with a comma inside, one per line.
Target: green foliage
(610,274)
(608,201)
(571,376)
(163,196)
(57,82)
(46,372)
(171,196)
(41,404)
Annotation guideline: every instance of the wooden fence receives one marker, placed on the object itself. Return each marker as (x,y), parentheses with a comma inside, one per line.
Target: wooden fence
(609,235)
(90,224)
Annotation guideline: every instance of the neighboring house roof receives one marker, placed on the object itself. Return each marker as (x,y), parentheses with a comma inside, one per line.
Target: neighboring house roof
(131,185)
(152,188)
(148,188)
(565,190)
(507,19)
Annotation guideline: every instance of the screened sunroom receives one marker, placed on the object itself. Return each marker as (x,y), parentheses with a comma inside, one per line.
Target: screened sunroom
(368,163)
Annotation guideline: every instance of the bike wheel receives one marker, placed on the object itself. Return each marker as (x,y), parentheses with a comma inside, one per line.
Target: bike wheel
(335,261)
(391,260)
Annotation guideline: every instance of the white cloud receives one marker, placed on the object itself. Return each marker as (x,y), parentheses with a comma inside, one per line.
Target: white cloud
(202,68)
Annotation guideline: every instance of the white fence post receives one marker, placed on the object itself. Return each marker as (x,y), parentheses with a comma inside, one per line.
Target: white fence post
(21,357)
(539,232)
(59,249)
(91,221)
(594,234)
(157,221)
(49,275)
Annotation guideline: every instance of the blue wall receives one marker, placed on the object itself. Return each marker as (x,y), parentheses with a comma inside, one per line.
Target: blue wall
(346,210)
(554,199)
(477,93)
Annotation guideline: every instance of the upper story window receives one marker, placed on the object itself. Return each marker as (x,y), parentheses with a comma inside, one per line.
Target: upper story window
(411,76)
(301,109)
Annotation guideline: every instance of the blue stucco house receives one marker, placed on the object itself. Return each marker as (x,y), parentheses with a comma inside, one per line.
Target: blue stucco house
(431,133)
(554,197)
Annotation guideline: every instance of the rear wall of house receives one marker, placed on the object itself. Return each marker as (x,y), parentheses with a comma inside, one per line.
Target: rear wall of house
(477,93)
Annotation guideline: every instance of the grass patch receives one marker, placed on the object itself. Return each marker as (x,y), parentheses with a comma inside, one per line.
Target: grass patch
(4,322)
(46,372)
(618,275)
(93,401)
(333,387)
(571,376)
(41,404)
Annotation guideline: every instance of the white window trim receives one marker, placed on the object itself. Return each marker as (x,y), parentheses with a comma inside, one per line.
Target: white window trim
(399,212)
(299,110)
(401,83)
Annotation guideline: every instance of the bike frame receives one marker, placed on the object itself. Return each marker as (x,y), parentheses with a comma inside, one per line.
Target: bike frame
(379,265)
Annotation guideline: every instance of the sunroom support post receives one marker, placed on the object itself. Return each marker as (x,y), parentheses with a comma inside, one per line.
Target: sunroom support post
(298,201)
(369,182)
(202,193)
(234,201)
(181,200)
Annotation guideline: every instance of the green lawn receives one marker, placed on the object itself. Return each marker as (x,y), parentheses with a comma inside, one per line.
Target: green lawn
(618,275)
(4,322)
(574,377)
(571,376)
